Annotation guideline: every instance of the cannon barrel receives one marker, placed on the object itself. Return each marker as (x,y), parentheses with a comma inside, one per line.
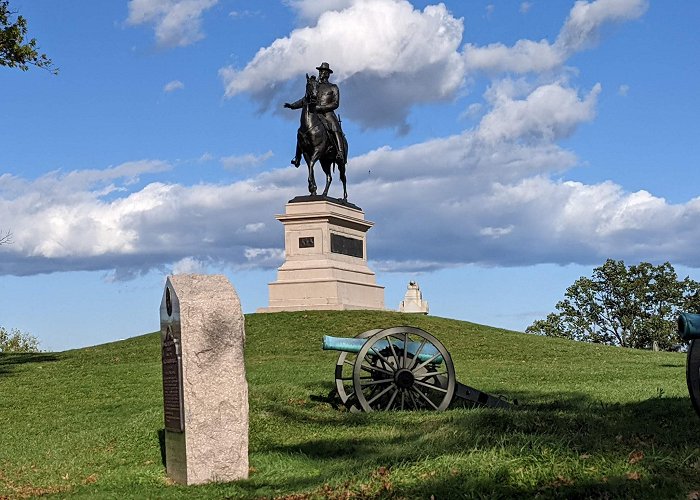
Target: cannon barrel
(689,326)
(427,352)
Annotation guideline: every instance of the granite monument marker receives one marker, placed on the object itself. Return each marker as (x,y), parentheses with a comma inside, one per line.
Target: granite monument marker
(205,393)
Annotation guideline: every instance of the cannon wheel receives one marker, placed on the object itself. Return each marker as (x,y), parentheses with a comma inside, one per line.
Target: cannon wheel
(343,372)
(393,379)
(692,374)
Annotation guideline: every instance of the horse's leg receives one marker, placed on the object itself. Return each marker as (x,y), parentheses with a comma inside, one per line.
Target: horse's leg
(341,170)
(312,181)
(326,165)
(297,154)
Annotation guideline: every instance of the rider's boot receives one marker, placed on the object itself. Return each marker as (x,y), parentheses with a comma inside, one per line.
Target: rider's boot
(340,155)
(297,156)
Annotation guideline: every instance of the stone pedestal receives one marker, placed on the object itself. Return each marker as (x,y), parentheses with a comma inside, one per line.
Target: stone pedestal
(205,392)
(325,266)
(413,300)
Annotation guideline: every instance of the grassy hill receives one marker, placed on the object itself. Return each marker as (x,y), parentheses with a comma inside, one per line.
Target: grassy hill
(593,421)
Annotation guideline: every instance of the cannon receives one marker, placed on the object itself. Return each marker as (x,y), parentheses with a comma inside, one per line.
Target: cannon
(689,330)
(399,368)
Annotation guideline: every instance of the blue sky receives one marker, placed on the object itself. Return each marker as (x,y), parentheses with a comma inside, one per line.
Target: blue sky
(502,148)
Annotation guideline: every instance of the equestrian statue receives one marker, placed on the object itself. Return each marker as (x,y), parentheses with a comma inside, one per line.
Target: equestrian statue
(320,137)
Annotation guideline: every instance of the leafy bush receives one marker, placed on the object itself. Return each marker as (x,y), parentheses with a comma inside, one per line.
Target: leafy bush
(17,341)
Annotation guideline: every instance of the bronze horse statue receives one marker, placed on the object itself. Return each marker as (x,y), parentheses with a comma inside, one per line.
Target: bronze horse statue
(315,143)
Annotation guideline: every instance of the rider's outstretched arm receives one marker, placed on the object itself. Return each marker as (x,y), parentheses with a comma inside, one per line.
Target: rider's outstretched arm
(295,105)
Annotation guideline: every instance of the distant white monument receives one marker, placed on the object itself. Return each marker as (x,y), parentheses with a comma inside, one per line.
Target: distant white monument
(413,300)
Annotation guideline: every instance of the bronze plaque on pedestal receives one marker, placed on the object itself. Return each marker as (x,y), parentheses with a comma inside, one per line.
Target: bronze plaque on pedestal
(346,246)
(172,384)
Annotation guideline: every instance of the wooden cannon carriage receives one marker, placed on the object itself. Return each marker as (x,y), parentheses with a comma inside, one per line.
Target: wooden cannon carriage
(399,368)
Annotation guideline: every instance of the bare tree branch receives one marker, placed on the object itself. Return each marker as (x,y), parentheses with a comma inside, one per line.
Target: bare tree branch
(5,238)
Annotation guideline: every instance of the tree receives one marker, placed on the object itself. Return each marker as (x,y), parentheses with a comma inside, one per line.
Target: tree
(15,51)
(17,341)
(5,238)
(633,306)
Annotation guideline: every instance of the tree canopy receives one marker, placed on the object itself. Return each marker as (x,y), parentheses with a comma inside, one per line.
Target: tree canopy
(633,306)
(15,50)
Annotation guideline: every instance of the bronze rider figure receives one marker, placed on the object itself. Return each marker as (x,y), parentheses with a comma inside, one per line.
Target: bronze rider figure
(327,102)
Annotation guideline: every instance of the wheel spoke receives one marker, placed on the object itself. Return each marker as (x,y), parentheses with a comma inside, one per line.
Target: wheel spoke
(426,362)
(434,387)
(380,395)
(403,396)
(405,349)
(425,375)
(376,369)
(417,353)
(426,398)
(375,382)
(391,401)
(413,400)
(393,353)
(384,361)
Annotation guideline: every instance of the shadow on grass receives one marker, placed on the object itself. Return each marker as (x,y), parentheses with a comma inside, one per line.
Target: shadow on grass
(10,361)
(641,448)
(161,443)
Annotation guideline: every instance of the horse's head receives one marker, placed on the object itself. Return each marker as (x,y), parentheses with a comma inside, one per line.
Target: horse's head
(311,88)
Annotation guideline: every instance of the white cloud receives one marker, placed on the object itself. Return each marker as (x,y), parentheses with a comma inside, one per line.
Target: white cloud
(263,257)
(525,7)
(582,29)
(496,232)
(176,22)
(523,57)
(623,90)
(549,113)
(189,265)
(242,14)
(472,111)
(253,227)
(173,85)
(486,201)
(61,222)
(311,10)
(246,160)
(401,56)
(404,55)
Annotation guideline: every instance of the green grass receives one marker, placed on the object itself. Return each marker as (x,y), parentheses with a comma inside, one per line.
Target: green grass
(593,421)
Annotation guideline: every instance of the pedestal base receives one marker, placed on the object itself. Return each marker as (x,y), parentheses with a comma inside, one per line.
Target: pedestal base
(326,264)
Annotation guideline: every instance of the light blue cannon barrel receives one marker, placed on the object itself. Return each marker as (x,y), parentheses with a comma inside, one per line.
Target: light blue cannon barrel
(355,344)
(689,326)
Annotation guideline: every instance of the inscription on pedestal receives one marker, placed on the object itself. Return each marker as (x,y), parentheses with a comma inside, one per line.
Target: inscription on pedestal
(346,246)
(172,384)
(306,242)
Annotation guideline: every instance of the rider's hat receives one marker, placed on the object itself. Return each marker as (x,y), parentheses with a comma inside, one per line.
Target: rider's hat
(324,65)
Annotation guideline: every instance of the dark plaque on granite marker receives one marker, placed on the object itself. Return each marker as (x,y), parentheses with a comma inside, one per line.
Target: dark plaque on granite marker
(172,384)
